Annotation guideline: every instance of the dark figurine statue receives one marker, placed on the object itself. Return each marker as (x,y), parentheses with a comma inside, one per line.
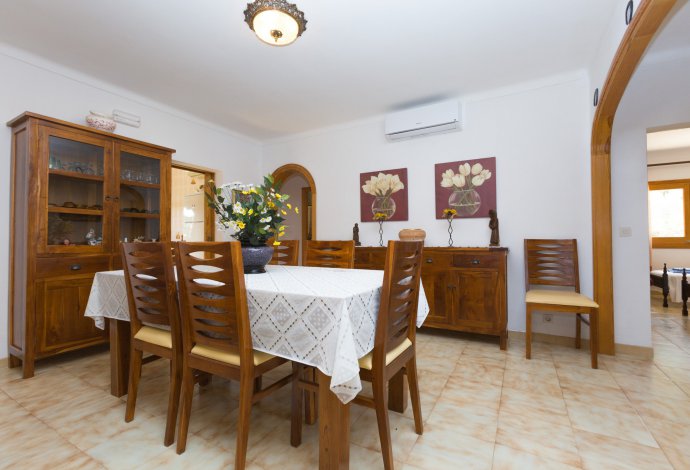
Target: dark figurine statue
(493,225)
(355,235)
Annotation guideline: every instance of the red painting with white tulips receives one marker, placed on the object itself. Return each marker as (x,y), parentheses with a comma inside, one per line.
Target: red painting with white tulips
(468,187)
(383,195)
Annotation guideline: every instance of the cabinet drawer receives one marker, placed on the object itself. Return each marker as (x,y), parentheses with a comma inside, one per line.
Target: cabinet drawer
(435,260)
(470,260)
(54,267)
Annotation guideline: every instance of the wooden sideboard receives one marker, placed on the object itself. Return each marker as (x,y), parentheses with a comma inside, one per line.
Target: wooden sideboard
(76,193)
(466,287)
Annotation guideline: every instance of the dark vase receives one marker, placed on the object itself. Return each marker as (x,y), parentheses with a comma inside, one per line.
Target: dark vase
(255,258)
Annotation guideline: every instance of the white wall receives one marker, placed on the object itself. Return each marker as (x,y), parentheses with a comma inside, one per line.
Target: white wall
(32,84)
(671,257)
(539,135)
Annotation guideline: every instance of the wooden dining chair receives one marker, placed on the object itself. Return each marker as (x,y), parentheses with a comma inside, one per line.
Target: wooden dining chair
(216,332)
(154,320)
(329,254)
(394,343)
(553,264)
(285,254)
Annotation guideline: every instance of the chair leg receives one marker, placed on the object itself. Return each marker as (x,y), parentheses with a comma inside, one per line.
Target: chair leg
(528,333)
(297,403)
(246,392)
(257,384)
(310,404)
(187,393)
(594,337)
(413,382)
(173,400)
(381,405)
(135,359)
(578,331)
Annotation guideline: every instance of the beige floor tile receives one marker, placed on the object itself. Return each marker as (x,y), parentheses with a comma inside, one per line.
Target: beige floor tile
(506,458)
(657,407)
(477,421)
(365,433)
(538,406)
(626,425)
(673,439)
(541,438)
(442,447)
(579,375)
(608,453)
(654,385)
(594,395)
(533,383)
(470,371)
(533,366)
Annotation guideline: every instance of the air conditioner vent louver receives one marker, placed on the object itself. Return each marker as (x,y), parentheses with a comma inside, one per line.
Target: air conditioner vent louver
(424,120)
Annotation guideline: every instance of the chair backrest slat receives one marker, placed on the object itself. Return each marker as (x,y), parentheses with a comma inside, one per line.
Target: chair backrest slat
(150,282)
(399,298)
(329,254)
(286,254)
(551,263)
(213,297)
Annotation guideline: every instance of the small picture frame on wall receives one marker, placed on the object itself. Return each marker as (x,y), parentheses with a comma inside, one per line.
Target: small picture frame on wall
(383,195)
(467,186)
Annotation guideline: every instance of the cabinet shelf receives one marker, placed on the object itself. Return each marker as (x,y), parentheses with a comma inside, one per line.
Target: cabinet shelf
(74,210)
(140,184)
(138,215)
(73,174)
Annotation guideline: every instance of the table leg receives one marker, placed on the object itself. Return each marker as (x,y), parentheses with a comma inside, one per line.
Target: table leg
(334,428)
(398,392)
(119,357)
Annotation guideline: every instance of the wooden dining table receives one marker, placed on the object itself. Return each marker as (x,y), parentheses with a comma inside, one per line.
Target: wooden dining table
(322,317)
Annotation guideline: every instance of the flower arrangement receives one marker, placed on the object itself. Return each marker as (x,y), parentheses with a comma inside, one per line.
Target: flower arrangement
(255,213)
(448,214)
(468,177)
(383,185)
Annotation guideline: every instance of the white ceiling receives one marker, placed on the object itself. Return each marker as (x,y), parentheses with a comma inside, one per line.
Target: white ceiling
(358,58)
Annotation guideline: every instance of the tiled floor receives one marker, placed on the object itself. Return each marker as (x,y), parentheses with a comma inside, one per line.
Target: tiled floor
(483,408)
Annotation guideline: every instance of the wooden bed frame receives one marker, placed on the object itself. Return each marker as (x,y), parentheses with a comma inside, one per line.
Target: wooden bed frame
(662,282)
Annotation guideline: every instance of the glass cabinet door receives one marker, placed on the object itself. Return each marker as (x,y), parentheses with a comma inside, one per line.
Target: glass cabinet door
(76,192)
(140,184)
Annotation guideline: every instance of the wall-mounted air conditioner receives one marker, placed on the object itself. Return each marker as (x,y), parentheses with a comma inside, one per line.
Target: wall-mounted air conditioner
(434,118)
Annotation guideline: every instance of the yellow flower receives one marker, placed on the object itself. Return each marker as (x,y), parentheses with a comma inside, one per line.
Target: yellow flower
(276,243)
(278,196)
(244,211)
(241,225)
(283,212)
(289,205)
(245,192)
(251,211)
(296,210)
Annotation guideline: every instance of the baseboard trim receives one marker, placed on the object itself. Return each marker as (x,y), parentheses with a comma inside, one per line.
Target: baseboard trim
(638,352)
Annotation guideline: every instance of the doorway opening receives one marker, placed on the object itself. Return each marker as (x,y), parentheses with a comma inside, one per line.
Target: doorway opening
(668,173)
(191,218)
(298,183)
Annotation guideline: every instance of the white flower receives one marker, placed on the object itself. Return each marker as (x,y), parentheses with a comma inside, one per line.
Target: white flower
(478,180)
(447,179)
(265,219)
(486,174)
(383,185)
(458,181)
(237,208)
(464,169)
(267,227)
(477,168)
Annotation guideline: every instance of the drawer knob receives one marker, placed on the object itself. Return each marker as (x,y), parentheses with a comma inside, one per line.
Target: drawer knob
(75,267)
(429,260)
(475,261)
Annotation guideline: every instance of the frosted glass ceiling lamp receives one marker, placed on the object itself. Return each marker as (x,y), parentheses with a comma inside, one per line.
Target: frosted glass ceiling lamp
(275,22)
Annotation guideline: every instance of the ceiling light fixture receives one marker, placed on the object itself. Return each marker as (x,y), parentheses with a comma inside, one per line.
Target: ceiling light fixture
(275,22)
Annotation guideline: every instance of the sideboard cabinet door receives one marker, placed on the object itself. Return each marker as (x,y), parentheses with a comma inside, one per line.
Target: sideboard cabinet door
(477,302)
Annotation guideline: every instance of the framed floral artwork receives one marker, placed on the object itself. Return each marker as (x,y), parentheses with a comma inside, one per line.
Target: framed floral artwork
(383,195)
(468,187)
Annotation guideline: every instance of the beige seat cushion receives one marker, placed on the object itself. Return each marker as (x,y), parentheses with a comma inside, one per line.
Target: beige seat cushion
(227,356)
(365,362)
(559,297)
(156,336)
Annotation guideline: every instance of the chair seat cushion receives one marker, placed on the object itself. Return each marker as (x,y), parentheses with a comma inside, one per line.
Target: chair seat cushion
(157,336)
(559,297)
(366,361)
(228,357)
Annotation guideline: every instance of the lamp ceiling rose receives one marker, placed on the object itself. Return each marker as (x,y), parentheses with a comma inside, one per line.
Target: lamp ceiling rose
(275,22)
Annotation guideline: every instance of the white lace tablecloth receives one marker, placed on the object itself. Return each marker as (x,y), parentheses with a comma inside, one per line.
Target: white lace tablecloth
(322,317)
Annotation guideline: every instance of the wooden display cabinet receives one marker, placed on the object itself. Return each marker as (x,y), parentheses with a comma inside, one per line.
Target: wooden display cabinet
(76,193)
(466,287)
